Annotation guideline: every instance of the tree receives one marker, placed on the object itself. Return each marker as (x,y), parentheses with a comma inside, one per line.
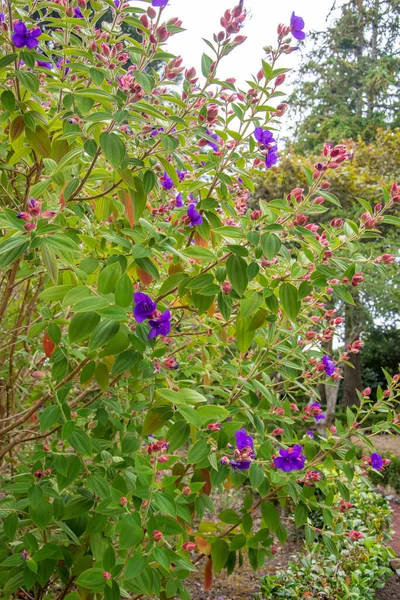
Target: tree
(348,84)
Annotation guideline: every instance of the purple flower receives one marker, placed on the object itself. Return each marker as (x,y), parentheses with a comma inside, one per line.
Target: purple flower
(192,199)
(310,434)
(329,365)
(156,131)
(160,3)
(77,13)
(23,36)
(376,461)
(271,156)
(144,307)
(45,65)
(264,136)
(61,63)
(194,216)
(181,174)
(166,181)
(290,459)
(214,137)
(179,200)
(2,17)
(243,440)
(161,326)
(117,3)
(242,465)
(296,27)
(244,451)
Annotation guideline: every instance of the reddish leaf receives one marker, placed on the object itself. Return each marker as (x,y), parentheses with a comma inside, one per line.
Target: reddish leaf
(208,575)
(48,345)
(129,208)
(207,487)
(144,277)
(203,545)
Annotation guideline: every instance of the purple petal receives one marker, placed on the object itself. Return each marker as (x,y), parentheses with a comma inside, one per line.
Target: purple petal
(299,35)
(18,40)
(20,28)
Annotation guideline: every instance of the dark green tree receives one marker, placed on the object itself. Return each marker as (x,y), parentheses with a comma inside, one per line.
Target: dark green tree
(348,84)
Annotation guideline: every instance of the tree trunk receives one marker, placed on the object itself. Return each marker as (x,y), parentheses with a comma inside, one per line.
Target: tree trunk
(352,372)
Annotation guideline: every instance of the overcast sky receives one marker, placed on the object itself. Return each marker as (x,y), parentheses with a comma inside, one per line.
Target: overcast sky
(201,19)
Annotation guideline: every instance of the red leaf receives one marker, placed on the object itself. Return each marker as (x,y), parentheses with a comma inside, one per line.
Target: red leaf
(129,208)
(208,575)
(207,487)
(48,345)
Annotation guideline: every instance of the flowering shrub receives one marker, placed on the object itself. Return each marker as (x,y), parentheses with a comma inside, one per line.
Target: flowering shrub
(361,568)
(158,337)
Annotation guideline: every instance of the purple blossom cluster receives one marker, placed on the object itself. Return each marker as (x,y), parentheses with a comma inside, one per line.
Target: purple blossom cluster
(23,36)
(290,459)
(266,139)
(146,309)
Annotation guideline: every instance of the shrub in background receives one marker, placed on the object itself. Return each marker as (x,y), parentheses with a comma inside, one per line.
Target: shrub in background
(362,566)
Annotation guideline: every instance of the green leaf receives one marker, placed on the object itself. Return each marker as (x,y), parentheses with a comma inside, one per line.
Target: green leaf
(113,148)
(76,507)
(270,244)
(289,299)
(300,514)
(28,80)
(130,532)
(80,441)
(49,417)
(108,278)
(256,475)
(206,63)
(244,335)
(124,362)
(177,435)
(102,376)
(10,525)
(124,291)
(4,62)
(213,413)
(50,262)
(82,325)
(39,139)
(270,515)
(91,579)
(198,452)
(165,503)
(102,334)
(250,304)
(230,516)
(42,514)
(236,268)
(7,97)
(219,555)
(12,249)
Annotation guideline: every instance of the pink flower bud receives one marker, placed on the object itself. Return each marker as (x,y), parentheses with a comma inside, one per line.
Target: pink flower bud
(106,575)
(189,546)
(280,79)
(157,535)
(38,374)
(123,501)
(186,490)
(29,226)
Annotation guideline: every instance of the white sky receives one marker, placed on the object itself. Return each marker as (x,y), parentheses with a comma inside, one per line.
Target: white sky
(201,19)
